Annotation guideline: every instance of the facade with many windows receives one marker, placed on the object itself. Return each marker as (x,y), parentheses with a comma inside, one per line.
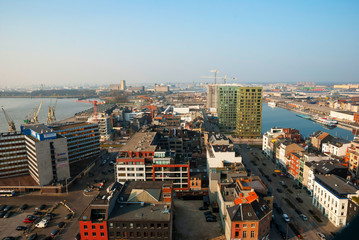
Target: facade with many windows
(331,196)
(83,139)
(13,159)
(249,112)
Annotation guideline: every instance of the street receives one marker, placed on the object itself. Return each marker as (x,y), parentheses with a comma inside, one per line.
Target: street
(286,198)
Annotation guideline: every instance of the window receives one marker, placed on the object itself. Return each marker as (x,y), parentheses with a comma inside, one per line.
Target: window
(165,225)
(158,225)
(145,225)
(118,234)
(86,234)
(244,234)
(102,234)
(237,225)
(244,225)
(111,225)
(252,234)
(152,234)
(138,234)
(85,226)
(132,234)
(253,225)
(93,227)
(152,225)
(236,234)
(94,234)
(159,234)
(131,225)
(101,227)
(138,225)
(145,234)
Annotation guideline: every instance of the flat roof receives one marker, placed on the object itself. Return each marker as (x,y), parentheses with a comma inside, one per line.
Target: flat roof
(141,141)
(67,125)
(338,184)
(39,128)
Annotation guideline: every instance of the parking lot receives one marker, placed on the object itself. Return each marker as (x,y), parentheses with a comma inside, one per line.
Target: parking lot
(190,222)
(77,199)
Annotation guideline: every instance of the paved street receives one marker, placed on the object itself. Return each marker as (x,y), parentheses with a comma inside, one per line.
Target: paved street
(257,163)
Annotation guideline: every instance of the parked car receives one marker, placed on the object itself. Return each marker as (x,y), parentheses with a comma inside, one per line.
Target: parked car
(280,210)
(68,216)
(2,207)
(37,213)
(274,175)
(42,224)
(42,207)
(211,220)
(299,199)
(321,236)
(207,213)
(303,217)
(203,208)
(286,218)
(33,237)
(61,224)
(55,232)
(8,214)
(2,214)
(78,236)
(7,208)
(279,190)
(298,211)
(9,238)
(24,207)
(21,228)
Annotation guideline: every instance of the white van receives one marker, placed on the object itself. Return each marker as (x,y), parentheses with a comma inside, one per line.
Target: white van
(41,224)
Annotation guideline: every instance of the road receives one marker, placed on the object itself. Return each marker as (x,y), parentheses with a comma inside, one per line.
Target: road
(257,163)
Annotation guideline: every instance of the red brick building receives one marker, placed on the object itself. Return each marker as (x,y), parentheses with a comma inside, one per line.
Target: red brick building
(294,160)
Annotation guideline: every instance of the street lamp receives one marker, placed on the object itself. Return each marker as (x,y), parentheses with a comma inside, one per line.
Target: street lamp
(67,187)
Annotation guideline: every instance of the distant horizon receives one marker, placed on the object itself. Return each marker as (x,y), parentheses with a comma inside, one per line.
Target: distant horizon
(101,42)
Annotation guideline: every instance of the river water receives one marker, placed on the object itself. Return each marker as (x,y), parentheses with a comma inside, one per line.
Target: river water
(18,109)
(279,117)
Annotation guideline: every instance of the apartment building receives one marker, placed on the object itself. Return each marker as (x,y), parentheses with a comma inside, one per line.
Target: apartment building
(239,108)
(331,196)
(243,213)
(104,125)
(318,138)
(83,139)
(336,147)
(351,157)
(13,158)
(141,160)
(324,167)
(249,112)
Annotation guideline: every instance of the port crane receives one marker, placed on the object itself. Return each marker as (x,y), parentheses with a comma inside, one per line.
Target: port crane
(51,118)
(10,122)
(95,103)
(32,117)
(150,106)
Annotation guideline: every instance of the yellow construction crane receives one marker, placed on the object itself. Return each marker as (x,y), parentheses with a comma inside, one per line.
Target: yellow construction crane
(36,114)
(10,122)
(51,118)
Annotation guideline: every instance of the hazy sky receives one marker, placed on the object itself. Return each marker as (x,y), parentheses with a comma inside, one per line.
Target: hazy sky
(99,42)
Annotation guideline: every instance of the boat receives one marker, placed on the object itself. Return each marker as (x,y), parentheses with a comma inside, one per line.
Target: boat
(272,104)
(326,121)
(305,116)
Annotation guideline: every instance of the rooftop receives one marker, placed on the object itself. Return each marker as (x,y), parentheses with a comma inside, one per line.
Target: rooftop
(69,125)
(141,141)
(336,184)
(39,128)
(8,134)
(253,211)
(223,148)
(327,166)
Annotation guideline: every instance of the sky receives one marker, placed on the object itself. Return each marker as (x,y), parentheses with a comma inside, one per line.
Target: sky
(66,42)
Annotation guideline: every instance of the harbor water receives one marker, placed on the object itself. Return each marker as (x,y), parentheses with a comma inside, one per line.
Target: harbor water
(279,117)
(19,108)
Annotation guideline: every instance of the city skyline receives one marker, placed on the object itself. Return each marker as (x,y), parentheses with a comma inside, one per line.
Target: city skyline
(91,42)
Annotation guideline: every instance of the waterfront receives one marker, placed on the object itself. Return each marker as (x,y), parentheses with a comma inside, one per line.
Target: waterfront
(18,108)
(280,117)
